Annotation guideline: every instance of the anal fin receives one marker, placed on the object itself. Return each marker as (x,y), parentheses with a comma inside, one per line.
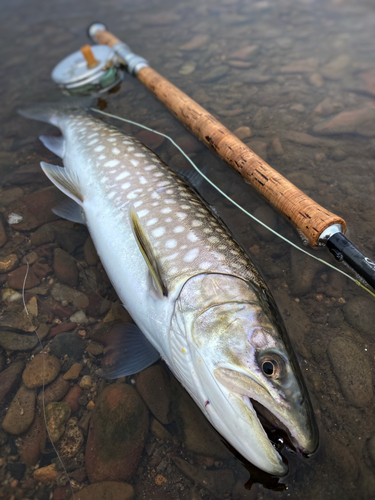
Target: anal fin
(127,352)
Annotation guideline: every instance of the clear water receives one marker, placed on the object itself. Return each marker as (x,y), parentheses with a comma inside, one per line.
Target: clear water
(280,101)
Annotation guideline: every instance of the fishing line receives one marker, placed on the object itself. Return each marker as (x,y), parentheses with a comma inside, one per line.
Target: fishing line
(356,281)
(43,386)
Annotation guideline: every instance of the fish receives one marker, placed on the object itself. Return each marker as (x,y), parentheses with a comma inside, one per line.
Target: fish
(196,297)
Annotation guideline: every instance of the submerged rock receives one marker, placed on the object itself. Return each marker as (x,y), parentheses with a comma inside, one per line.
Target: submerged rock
(53,392)
(17,341)
(360,314)
(42,369)
(352,370)
(68,343)
(65,267)
(20,415)
(9,377)
(32,444)
(108,490)
(56,416)
(117,432)
(154,387)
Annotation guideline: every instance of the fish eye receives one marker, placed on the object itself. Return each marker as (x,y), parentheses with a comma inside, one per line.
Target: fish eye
(272,367)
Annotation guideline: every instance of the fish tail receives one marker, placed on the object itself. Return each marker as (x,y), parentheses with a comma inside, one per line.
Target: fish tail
(49,112)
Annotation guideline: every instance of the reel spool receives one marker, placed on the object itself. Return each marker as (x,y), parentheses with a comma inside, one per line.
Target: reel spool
(91,70)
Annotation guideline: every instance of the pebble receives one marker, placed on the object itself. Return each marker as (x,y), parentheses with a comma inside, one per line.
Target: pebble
(53,392)
(17,320)
(20,414)
(64,293)
(70,344)
(91,255)
(244,52)
(79,317)
(359,312)
(64,327)
(32,444)
(73,397)
(30,258)
(17,342)
(85,382)
(65,267)
(9,195)
(46,474)
(73,372)
(8,263)
(326,107)
(154,387)
(336,68)
(187,68)
(360,121)
(308,65)
(95,349)
(317,80)
(16,278)
(56,416)
(9,377)
(303,271)
(3,235)
(352,369)
(42,369)
(243,132)
(72,440)
(217,482)
(195,43)
(254,76)
(118,428)
(108,490)
(215,73)
(159,431)
(277,146)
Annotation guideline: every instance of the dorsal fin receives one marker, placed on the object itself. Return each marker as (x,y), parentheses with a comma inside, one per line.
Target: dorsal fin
(148,253)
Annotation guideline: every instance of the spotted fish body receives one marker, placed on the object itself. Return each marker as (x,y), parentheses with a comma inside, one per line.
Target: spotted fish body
(188,285)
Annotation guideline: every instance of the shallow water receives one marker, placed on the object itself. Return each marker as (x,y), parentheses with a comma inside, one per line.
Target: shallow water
(301,64)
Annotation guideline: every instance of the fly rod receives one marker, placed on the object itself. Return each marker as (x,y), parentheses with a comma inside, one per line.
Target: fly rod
(318,226)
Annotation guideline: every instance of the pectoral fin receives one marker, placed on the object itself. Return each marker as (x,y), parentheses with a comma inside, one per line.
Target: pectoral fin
(127,352)
(66,180)
(54,144)
(69,210)
(148,253)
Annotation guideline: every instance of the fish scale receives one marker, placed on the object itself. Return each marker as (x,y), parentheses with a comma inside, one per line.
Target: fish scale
(193,292)
(186,236)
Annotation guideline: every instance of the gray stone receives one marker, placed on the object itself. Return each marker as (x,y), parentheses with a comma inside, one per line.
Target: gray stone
(352,370)
(64,293)
(20,415)
(360,314)
(17,342)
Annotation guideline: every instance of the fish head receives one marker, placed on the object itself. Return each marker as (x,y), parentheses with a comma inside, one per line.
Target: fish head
(247,371)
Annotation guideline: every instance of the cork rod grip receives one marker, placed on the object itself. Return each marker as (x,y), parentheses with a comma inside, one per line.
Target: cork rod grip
(307,215)
(106,38)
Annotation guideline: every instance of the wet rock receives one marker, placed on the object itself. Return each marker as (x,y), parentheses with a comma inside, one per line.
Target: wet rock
(302,66)
(68,343)
(8,263)
(65,267)
(64,327)
(154,387)
(72,440)
(341,456)
(368,78)
(41,269)
(17,320)
(150,139)
(241,493)
(3,235)
(159,431)
(188,144)
(73,396)
(36,208)
(243,132)
(46,474)
(215,73)
(53,392)
(16,278)
(352,369)
(255,76)
(195,43)
(277,146)
(32,444)
(20,415)
(95,349)
(17,342)
(73,372)
(108,490)
(359,312)
(266,215)
(240,64)
(304,269)
(259,148)
(316,79)
(217,482)
(360,121)
(326,107)
(9,377)
(117,432)
(371,448)
(25,175)
(63,293)
(86,382)
(194,429)
(42,369)
(9,195)
(91,255)
(16,470)
(335,69)
(244,52)
(79,317)
(57,415)
(147,491)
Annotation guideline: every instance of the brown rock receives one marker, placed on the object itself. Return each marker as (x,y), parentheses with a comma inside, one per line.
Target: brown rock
(259,148)
(150,139)
(159,431)
(302,66)
(10,195)
(117,432)
(65,267)
(277,146)
(72,398)
(195,43)
(360,121)
(32,444)
(56,416)
(335,69)
(368,77)
(20,415)
(16,278)
(41,269)
(244,52)
(72,440)
(154,387)
(46,474)
(53,392)
(188,144)
(65,327)
(3,235)
(108,490)
(73,372)
(63,292)
(9,377)
(8,263)
(41,370)
(91,255)
(243,132)
(316,79)
(326,107)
